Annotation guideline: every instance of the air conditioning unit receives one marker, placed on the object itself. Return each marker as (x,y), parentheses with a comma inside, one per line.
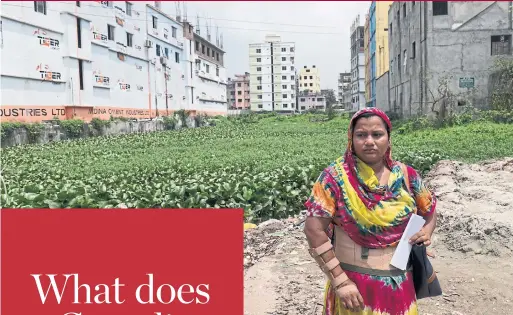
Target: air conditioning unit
(163,60)
(148,43)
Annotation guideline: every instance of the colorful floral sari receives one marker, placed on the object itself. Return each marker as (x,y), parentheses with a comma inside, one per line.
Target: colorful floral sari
(374,216)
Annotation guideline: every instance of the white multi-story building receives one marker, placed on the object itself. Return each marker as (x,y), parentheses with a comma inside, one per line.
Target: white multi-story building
(92,59)
(310,80)
(206,80)
(357,66)
(272,75)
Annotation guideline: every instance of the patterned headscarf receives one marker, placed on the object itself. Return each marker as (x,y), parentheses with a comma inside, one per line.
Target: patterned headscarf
(349,155)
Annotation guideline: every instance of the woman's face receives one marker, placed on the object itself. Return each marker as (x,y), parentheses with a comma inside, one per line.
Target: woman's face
(370,139)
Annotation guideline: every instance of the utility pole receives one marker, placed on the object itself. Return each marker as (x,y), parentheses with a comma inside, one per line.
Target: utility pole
(166,76)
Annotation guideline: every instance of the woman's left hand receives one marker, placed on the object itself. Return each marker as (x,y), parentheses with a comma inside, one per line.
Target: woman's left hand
(422,236)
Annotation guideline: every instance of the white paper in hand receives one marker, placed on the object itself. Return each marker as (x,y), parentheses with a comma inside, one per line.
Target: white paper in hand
(402,253)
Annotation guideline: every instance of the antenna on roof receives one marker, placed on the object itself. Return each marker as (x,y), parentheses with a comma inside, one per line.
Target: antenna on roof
(197,25)
(178,11)
(208,29)
(184,10)
(217,35)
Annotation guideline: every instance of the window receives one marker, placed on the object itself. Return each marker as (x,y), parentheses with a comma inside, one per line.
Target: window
(284,86)
(501,45)
(81,74)
(173,31)
(259,96)
(197,45)
(440,8)
(155,21)
(259,69)
(202,48)
(284,77)
(77,3)
(311,77)
(390,30)
(217,71)
(413,50)
(239,100)
(260,105)
(307,70)
(292,77)
(239,84)
(284,68)
(404,10)
(305,77)
(283,58)
(208,51)
(79,34)
(239,92)
(311,84)
(284,95)
(177,57)
(110,32)
(285,105)
(291,67)
(129,39)
(399,63)
(302,99)
(259,51)
(166,52)
(259,59)
(217,56)
(259,78)
(40,7)
(259,87)
(284,49)
(128,9)
(157,49)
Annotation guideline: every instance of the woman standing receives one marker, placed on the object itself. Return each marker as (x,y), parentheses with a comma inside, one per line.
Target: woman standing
(362,202)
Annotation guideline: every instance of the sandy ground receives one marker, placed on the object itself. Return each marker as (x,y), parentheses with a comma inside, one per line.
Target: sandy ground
(473,247)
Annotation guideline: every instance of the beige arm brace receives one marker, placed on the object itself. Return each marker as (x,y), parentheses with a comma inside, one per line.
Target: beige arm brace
(327,267)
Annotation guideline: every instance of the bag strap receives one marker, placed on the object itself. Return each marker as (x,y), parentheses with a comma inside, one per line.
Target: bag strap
(405,174)
(404,168)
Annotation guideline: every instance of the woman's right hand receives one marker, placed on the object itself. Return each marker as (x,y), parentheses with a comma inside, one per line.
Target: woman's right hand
(350,296)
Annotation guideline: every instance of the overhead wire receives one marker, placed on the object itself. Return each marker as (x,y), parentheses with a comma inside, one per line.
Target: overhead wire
(172,24)
(219,19)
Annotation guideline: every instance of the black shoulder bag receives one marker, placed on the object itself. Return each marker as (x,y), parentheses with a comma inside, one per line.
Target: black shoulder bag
(425,280)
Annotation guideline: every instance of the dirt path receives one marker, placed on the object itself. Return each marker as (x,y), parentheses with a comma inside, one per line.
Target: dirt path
(473,247)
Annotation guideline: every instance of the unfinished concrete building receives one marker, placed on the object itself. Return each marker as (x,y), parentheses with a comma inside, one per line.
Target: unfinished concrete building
(441,55)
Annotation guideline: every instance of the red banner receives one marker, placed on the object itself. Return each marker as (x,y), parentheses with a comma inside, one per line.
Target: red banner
(107,262)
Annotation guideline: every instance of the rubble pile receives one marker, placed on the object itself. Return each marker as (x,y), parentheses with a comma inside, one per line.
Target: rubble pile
(267,238)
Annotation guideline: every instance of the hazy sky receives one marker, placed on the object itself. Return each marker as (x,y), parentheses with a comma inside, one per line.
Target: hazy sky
(319,29)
